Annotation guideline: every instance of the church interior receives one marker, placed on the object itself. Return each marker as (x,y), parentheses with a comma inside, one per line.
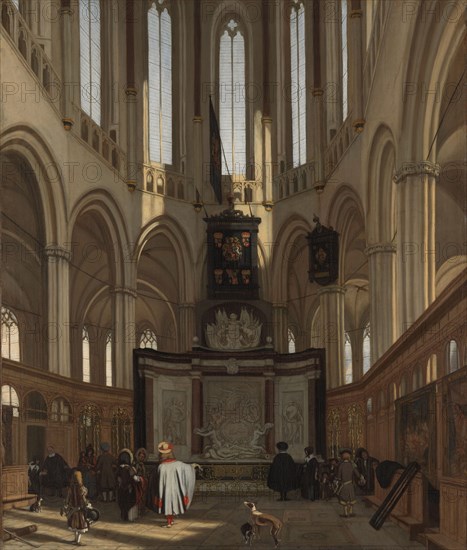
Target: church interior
(229,223)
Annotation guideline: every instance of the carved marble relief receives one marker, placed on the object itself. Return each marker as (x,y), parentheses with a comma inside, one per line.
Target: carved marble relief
(292,417)
(174,415)
(230,332)
(234,427)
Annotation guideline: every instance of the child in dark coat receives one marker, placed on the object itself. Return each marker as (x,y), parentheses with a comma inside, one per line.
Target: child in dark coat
(283,472)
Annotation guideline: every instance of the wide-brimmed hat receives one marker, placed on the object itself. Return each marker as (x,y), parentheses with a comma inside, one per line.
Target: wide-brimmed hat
(165,447)
(345,450)
(125,456)
(282,446)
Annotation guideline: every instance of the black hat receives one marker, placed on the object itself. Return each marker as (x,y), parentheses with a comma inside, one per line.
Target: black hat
(345,450)
(282,446)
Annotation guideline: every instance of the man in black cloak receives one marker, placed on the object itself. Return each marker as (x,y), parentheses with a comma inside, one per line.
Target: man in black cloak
(283,472)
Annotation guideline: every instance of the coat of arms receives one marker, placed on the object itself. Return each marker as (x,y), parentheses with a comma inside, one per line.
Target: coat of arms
(232,249)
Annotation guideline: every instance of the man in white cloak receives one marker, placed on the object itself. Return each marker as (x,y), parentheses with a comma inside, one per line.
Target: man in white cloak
(172,485)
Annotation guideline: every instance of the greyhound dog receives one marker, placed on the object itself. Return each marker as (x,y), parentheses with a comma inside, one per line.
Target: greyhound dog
(258,519)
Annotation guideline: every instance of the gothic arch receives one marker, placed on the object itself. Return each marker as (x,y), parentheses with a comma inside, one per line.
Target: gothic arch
(381,192)
(429,58)
(292,228)
(28,144)
(180,243)
(346,215)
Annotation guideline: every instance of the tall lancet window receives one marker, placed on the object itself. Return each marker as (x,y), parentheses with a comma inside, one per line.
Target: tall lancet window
(108,360)
(348,374)
(160,82)
(291,341)
(10,335)
(86,356)
(344,61)
(366,349)
(148,339)
(298,82)
(90,57)
(232,105)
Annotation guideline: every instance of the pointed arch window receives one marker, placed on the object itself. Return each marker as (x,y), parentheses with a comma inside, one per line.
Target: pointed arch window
(10,335)
(10,399)
(148,339)
(291,341)
(298,82)
(366,349)
(86,356)
(160,82)
(453,356)
(344,61)
(232,104)
(61,410)
(348,373)
(90,57)
(108,360)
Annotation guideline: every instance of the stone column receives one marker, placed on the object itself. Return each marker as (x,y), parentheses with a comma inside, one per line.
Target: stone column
(66,14)
(331,303)
(269,411)
(186,316)
(198,156)
(267,160)
(280,322)
(58,296)
(196,412)
(383,322)
(311,409)
(124,335)
(149,405)
(131,93)
(416,265)
(356,63)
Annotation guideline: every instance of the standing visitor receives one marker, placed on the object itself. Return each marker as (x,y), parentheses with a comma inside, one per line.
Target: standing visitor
(171,485)
(75,506)
(309,482)
(345,474)
(105,471)
(282,475)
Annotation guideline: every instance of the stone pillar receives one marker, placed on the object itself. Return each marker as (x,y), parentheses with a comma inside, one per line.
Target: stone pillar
(196,412)
(149,405)
(356,63)
(58,296)
(131,93)
(124,335)
(269,411)
(331,303)
(198,156)
(311,409)
(66,14)
(186,316)
(280,325)
(267,160)
(383,322)
(416,265)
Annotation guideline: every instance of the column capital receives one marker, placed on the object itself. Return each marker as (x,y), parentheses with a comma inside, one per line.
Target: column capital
(55,251)
(354,14)
(420,168)
(124,290)
(197,119)
(266,120)
(332,289)
(380,248)
(279,306)
(196,375)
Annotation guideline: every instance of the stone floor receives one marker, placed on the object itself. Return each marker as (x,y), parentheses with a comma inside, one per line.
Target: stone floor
(213,523)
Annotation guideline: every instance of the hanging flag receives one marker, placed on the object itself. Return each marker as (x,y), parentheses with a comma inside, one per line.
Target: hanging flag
(216,153)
